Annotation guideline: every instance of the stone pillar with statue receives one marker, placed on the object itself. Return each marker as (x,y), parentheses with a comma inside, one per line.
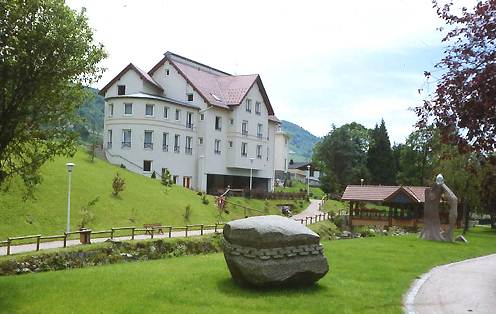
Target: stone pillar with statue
(432,222)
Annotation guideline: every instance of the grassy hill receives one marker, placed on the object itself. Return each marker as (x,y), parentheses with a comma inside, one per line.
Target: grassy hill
(301,142)
(144,200)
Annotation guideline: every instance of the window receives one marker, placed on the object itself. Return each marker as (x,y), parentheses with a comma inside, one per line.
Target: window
(148,143)
(259,130)
(110,110)
(257,108)
(200,140)
(166,112)
(190,96)
(202,117)
(187,182)
(248,105)
(244,149)
(149,110)
(175,179)
(217,147)
(267,153)
(128,109)
(109,142)
(166,71)
(147,165)
(121,89)
(231,121)
(218,123)
(126,138)
(189,120)
(259,151)
(188,149)
(178,114)
(244,128)
(177,141)
(230,144)
(165,141)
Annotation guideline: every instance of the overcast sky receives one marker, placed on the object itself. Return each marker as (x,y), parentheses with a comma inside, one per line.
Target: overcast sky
(322,62)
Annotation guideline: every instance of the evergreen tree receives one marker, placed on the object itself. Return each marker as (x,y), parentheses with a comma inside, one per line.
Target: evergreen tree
(380,161)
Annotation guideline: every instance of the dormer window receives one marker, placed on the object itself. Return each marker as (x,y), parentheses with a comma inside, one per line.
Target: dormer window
(166,71)
(121,89)
(190,96)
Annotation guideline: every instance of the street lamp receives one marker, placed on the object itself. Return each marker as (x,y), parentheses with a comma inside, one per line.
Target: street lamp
(361,182)
(69,165)
(308,181)
(251,173)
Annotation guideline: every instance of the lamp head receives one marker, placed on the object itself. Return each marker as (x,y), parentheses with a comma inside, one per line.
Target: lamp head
(70,165)
(439,179)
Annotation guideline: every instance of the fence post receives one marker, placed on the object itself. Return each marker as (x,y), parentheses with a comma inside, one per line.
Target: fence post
(65,239)
(170,232)
(215,229)
(310,220)
(186,230)
(111,233)
(8,246)
(38,239)
(306,221)
(152,232)
(201,230)
(132,233)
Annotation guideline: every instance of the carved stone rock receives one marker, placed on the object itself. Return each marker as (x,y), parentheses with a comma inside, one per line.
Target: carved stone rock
(273,251)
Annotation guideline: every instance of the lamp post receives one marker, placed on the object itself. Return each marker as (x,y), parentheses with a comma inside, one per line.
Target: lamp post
(361,182)
(251,173)
(308,181)
(70,166)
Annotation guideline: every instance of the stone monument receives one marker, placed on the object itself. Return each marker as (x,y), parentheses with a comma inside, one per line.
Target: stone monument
(273,251)
(432,223)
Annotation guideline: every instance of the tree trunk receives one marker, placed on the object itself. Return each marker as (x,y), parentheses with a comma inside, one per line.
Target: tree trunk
(466,215)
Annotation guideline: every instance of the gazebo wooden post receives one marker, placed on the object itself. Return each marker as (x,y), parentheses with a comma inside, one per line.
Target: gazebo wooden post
(390,216)
(351,215)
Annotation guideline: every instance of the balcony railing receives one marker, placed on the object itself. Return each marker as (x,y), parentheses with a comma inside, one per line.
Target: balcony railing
(217,152)
(148,145)
(109,145)
(165,148)
(126,144)
(176,149)
(189,125)
(244,132)
(259,135)
(259,156)
(244,154)
(188,150)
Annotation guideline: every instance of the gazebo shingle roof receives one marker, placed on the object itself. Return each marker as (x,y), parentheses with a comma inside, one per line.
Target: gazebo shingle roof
(379,193)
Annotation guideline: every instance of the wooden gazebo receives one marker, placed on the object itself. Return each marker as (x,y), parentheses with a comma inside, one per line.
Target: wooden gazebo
(404,205)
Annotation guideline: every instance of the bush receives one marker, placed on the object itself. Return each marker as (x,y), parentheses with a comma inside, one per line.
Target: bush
(187,213)
(326,230)
(154,175)
(167,179)
(86,215)
(118,184)
(205,200)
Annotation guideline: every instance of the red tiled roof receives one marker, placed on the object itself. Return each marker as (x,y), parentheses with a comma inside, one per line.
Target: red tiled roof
(216,87)
(143,75)
(379,193)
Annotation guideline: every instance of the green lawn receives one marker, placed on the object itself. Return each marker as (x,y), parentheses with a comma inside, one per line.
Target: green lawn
(367,275)
(298,186)
(144,200)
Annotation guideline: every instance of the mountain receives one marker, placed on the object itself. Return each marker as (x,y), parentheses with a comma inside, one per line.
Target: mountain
(301,141)
(91,116)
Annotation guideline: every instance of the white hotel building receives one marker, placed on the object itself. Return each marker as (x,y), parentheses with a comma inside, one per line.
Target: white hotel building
(210,129)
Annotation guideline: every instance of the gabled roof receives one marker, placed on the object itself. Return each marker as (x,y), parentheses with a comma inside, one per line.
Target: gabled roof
(143,75)
(382,193)
(216,87)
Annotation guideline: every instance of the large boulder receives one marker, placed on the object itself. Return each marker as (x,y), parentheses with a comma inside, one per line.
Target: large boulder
(273,251)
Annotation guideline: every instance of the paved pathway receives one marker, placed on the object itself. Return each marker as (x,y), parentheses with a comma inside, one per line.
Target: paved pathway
(464,287)
(311,210)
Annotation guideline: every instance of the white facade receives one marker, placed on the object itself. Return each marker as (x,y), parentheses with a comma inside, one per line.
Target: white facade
(281,148)
(176,127)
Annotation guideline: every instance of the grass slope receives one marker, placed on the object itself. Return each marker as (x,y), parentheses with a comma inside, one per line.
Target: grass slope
(144,200)
(367,275)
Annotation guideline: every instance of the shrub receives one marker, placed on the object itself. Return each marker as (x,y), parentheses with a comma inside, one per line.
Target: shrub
(266,207)
(167,179)
(154,175)
(187,213)
(122,166)
(118,184)
(205,200)
(86,215)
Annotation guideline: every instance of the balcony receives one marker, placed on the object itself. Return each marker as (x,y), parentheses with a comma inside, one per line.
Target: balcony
(189,125)
(188,150)
(126,144)
(165,148)
(217,152)
(176,149)
(244,132)
(259,156)
(148,145)
(259,135)
(109,145)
